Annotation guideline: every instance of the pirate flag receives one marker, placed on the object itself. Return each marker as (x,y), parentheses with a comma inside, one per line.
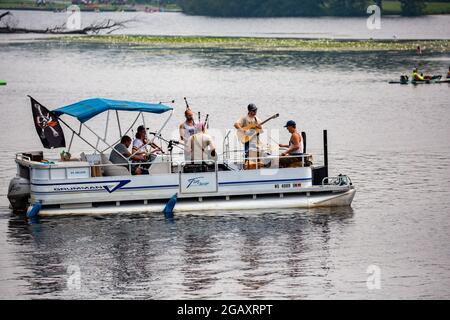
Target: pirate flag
(47,126)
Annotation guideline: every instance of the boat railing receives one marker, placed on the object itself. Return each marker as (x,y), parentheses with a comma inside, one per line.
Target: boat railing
(237,159)
(92,170)
(58,169)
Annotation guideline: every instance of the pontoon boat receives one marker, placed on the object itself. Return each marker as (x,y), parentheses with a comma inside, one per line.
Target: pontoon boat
(93,185)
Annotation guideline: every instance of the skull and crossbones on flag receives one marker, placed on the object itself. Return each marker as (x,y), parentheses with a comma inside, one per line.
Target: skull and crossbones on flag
(47,126)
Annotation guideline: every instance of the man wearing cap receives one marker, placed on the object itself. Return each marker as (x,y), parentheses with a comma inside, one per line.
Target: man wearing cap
(248,121)
(295,146)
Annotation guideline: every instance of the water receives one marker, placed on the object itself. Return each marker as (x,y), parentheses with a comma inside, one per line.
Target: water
(392,140)
(428,27)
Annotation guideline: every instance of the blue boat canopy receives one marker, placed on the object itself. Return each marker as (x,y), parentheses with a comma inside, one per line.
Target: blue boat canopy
(87,109)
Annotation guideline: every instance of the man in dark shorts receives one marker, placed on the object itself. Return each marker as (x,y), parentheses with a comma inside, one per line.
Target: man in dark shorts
(120,154)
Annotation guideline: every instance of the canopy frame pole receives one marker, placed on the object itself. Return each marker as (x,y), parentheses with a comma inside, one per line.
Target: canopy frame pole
(157,134)
(70,143)
(98,141)
(74,132)
(106,130)
(87,142)
(118,123)
(107,124)
(117,141)
(163,126)
(143,120)
(98,138)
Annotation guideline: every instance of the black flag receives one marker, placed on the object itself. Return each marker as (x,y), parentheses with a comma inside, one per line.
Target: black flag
(47,126)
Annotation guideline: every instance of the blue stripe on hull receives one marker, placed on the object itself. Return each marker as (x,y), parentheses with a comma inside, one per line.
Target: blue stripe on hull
(174,186)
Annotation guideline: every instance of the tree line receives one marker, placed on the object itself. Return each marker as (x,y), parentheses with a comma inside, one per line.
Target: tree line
(291,8)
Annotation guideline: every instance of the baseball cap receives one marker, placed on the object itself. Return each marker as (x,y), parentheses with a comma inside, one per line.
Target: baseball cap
(290,123)
(252,107)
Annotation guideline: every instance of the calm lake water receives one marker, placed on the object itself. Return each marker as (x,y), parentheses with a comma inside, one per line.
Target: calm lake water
(392,140)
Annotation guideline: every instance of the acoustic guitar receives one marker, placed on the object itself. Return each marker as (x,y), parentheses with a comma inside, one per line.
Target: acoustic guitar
(252,130)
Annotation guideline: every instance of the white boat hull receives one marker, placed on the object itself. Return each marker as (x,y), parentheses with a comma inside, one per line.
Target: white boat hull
(73,189)
(335,199)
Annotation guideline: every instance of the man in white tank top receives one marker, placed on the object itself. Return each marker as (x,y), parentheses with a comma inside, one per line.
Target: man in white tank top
(187,130)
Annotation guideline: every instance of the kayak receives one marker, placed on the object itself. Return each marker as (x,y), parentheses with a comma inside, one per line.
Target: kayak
(421,82)
(2,83)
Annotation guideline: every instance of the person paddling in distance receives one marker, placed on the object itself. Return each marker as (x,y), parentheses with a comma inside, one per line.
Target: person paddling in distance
(295,146)
(416,76)
(187,129)
(420,77)
(250,120)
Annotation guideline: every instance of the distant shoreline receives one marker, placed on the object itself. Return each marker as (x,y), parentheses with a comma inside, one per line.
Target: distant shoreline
(60,7)
(56,9)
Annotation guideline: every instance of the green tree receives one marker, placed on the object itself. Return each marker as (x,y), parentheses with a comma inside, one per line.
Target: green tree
(285,8)
(379,3)
(252,8)
(279,8)
(412,7)
(346,7)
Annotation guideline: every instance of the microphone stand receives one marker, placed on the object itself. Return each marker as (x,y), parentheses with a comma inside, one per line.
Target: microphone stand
(170,143)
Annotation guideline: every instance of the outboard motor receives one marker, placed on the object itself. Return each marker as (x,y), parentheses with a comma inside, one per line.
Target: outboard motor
(19,194)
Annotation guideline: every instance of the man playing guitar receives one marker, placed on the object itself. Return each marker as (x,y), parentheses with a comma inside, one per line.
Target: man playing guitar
(243,125)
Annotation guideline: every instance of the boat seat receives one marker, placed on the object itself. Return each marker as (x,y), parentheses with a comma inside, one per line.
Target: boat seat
(83,157)
(111,169)
(94,158)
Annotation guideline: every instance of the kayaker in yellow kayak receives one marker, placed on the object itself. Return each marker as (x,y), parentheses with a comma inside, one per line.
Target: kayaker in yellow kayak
(420,77)
(416,76)
(448,73)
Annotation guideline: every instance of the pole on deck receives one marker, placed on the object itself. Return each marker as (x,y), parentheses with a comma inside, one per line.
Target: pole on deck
(325,151)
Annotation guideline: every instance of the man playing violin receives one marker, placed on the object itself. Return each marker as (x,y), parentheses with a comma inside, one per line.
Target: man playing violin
(140,147)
